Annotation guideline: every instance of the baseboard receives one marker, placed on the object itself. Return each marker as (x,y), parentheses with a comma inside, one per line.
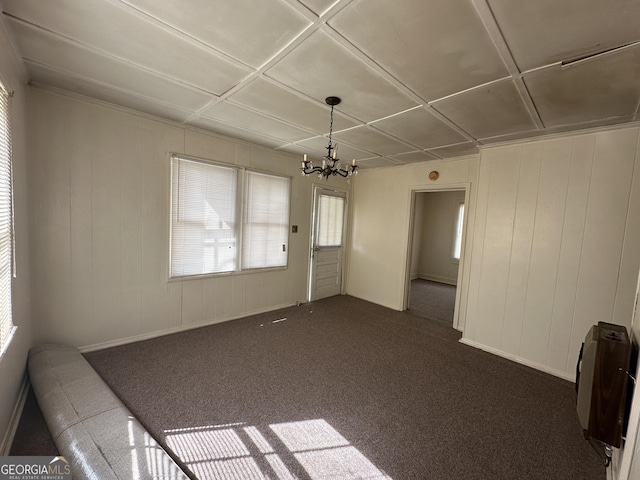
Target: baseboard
(169,331)
(520,360)
(437,278)
(5,447)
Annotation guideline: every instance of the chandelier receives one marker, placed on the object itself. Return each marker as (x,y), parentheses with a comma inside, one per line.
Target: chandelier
(330,162)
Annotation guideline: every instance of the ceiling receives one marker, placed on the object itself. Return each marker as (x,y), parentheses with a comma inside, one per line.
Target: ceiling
(419,79)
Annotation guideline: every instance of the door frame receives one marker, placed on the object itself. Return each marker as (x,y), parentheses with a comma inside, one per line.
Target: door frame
(462,264)
(318,187)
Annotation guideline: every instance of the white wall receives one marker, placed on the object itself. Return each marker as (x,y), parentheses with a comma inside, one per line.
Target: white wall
(13,362)
(626,461)
(439,215)
(552,242)
(556,245)
(100,231)
(379,267)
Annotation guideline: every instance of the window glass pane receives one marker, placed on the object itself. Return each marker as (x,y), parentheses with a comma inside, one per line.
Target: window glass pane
(265,227)
(203,218)
(457,241)
(330,219)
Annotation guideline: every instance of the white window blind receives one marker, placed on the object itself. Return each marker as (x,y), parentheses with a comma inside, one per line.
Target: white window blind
(265,225)
(330,220)
(457,234)
(6,222)
(218,211)
(203,218)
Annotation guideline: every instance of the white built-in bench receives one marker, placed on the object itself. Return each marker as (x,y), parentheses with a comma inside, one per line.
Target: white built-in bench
(89,424)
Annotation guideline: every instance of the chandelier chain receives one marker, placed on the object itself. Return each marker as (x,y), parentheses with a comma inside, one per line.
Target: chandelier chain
(330,128)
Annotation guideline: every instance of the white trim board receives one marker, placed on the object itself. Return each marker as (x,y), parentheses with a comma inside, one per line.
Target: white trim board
(517,359)
(7,441)
(438,279)
(182,328)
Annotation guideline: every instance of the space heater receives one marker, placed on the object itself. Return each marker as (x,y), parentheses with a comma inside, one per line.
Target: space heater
(601,382)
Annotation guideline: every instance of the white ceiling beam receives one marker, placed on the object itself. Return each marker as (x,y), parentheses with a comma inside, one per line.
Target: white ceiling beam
(490,23)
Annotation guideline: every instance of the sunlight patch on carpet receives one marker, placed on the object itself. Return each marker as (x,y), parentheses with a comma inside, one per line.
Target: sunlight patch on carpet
(236,451)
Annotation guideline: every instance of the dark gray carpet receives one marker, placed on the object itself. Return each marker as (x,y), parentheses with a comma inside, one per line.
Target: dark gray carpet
(432,300)
(32,436)
(345,389)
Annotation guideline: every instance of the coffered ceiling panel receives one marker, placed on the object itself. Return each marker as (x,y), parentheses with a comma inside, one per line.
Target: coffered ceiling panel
(39,46)
(606,86)
(412,157)
(222,128)
(437,48)
(373,141)
(488,111)
(254,121)
(541,32)
(419,127)
(418,79)
(376,162)
(320,67)
(318,6)
(41,75)
(459,150)
(251,31)
(268,97)
(134,39)
(346,152)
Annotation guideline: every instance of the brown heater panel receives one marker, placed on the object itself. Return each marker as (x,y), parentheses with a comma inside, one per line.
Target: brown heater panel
(609,390)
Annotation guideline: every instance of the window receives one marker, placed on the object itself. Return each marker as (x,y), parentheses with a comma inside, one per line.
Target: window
(457,232)
(6,223)
(265,222)
(330,220)
(225,218)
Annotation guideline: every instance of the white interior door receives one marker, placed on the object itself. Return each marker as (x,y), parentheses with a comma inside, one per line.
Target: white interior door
(327,244)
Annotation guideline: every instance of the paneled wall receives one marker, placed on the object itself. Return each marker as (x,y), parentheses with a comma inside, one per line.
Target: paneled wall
(556,245)
(379,267)
(100,227)
(13,361)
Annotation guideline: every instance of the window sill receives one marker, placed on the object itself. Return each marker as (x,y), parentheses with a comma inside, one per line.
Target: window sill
(225,274)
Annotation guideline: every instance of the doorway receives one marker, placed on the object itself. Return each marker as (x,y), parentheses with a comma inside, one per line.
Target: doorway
(436,250)
(327,251)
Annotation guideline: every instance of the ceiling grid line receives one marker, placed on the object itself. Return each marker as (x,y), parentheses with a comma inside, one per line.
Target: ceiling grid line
(102,84)
(419,79)
(292,45)
(103,53)
(391,79)
(489,21)
(176,32)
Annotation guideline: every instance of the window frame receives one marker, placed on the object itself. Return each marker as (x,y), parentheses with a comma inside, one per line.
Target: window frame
(239,218)
(458,231)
